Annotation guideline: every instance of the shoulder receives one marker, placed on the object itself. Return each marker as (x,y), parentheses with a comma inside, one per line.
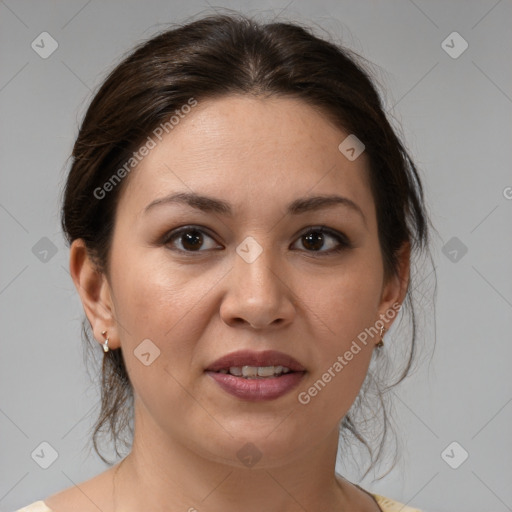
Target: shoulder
(37,506)
(89,496)
(389,505)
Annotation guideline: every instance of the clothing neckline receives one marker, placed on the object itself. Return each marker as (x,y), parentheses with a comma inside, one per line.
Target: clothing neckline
(359,487)
(371,495)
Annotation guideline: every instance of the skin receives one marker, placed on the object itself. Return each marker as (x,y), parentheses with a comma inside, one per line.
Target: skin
(198,306)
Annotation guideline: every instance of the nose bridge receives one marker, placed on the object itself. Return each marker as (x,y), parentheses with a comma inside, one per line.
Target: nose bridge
(257,292)
(255,264)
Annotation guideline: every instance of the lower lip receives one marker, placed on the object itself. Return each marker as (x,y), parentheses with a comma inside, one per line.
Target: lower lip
(257,390)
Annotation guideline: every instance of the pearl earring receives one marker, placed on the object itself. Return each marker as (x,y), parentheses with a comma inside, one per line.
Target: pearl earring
(105,344)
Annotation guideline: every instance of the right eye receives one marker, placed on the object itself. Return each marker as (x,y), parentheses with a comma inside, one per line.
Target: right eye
(191,239)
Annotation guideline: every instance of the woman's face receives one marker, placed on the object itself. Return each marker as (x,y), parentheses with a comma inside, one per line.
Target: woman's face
(261,278)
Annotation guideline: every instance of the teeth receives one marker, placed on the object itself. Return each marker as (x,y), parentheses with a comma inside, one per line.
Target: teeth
(249,371)
(265,371)
(255,372)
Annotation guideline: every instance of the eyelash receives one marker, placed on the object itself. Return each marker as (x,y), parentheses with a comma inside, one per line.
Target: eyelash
(343,242)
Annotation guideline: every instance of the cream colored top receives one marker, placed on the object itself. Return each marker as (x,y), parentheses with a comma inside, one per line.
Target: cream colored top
(386,504)
(37,506)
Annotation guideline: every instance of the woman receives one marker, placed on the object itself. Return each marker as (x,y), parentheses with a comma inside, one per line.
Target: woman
(241,219)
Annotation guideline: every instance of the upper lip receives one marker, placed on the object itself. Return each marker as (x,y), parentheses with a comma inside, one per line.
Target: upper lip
(252,358)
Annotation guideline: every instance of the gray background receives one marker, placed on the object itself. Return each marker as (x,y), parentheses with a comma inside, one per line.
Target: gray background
(456,119)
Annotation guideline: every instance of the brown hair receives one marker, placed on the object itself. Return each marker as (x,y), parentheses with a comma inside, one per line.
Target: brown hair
(211,57)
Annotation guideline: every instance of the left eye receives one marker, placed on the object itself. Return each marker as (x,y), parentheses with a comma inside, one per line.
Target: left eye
(192,239)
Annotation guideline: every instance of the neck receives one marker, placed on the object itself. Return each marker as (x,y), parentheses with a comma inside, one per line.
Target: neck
(161,474)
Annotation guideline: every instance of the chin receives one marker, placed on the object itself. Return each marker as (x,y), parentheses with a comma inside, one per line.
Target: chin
(257,447)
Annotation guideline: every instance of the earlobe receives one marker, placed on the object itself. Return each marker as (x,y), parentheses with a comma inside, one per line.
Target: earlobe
(94,291)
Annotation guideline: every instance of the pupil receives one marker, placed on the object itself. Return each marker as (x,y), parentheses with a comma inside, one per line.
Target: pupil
(192,241)
(311,237)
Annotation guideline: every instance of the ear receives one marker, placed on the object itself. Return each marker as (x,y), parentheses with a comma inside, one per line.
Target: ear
(94,291)
(395,289)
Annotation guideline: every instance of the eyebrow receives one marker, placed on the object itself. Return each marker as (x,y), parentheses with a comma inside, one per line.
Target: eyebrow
(296,207)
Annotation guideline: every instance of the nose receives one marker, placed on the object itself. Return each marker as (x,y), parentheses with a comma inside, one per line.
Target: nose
(259,294)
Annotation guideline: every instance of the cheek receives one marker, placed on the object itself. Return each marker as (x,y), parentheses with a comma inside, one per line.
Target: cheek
(152,296)
(345,305)
(345,300)
(152,306)
(341,358)
(162,303)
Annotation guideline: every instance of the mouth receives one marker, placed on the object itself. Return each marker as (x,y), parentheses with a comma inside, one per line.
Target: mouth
(251,364)
(256,372)
(257,376)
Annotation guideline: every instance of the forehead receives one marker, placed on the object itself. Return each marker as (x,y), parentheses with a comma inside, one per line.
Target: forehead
(249,150)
